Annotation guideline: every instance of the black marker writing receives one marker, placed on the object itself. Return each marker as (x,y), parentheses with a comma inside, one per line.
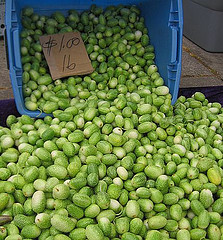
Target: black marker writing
(61,44)
(73,42)
(49,45)
(67,64)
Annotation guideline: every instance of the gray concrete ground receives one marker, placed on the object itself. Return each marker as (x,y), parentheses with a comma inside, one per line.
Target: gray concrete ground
(5,84)
(199,68)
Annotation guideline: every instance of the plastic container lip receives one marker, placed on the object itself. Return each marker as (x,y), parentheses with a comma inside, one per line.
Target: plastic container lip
(216,5)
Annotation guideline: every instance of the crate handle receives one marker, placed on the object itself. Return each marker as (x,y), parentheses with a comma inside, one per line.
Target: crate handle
(16,56)
(176,28)
(174,45)
(6,49)
(176,24)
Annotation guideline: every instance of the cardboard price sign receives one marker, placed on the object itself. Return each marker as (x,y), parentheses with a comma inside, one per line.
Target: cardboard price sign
(66,54)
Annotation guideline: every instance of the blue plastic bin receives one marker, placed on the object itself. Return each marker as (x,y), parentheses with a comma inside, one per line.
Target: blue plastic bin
(163,18)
